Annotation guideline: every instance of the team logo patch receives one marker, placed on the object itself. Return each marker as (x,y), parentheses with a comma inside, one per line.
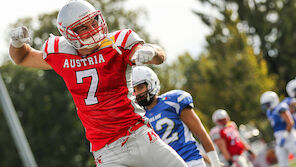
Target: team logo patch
(98,160)
(152,136)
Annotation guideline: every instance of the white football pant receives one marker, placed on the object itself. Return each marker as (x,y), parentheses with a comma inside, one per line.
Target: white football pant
(241,161)
(282,153)
(196,163)
(143,148)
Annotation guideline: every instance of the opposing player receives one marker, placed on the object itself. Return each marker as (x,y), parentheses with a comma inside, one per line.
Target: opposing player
(291,100)
(173,118)
(97,69)
(228,140)
(282,124)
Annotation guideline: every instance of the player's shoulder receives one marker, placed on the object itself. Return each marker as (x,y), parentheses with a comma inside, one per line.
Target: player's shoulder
(125,38)
(57,44)
(231,124)
(288,100)
(216,129)
(281,107)
(176,95)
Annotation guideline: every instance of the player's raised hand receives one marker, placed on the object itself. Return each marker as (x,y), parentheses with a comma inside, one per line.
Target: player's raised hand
(19,36)
(143,55)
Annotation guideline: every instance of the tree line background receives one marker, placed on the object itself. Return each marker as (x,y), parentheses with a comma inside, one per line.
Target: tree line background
(249,50)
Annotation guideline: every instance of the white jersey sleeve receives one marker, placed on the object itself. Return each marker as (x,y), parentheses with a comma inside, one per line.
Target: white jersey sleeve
(215,133)
(57,44)
(126,38)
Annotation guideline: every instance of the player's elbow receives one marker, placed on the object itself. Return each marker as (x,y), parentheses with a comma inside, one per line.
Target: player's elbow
(17,55)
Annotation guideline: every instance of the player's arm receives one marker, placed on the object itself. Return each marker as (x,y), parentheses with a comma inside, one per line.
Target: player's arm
(221,144)
(28,57)
(22,53)
(286,115)
(292,107)
(195,125)
(148,54)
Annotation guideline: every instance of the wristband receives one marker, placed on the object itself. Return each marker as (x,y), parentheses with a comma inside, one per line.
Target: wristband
(213,157)
(230,162)
(250,152)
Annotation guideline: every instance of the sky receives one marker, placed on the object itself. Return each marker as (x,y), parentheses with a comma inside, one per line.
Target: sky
(171,22)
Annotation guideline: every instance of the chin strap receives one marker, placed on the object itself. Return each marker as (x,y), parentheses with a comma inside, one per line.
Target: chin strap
(114,46)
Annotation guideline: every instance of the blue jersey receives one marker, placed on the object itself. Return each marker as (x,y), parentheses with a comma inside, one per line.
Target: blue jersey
(288,100)
(276,121)
(166,121)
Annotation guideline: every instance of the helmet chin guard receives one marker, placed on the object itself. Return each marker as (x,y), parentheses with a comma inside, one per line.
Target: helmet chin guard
(76,14)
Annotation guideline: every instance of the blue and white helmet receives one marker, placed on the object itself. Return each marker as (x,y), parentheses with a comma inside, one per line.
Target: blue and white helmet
(269,100)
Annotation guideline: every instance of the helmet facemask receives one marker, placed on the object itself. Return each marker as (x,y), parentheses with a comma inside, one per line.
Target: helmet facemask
(90,38)
(145,98)
(265,106)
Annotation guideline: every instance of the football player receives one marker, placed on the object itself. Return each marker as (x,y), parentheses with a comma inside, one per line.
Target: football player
(282,123)
(291,100)
(228,140)
(97,68)
(173,118)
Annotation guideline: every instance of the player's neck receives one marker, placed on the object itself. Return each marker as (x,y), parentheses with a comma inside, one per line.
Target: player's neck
(87,51)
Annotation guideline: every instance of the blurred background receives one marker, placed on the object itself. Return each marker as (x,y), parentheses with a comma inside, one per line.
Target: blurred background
(226,53)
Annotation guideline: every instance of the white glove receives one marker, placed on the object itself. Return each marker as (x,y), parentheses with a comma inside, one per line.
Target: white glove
(215,162)
(144,54)
(19,36)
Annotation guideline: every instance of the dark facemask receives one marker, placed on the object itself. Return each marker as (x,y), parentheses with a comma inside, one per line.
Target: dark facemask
(144,99)
(265,107)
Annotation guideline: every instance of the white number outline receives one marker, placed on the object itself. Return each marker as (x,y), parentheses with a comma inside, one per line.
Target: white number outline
(92,90)
(168,130)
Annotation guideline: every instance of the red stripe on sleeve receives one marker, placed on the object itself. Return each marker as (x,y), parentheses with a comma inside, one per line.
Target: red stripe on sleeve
(56,44)
(126,37)
(116,35)
(46,47)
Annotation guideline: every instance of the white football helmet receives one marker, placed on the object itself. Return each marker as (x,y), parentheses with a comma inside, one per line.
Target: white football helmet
(269,100)
(143,74)
(291,88)
(218,115)
(75,14)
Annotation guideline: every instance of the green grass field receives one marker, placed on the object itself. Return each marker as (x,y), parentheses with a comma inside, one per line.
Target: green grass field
(292,164)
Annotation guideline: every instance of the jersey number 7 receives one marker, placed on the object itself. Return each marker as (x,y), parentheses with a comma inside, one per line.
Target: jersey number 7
(91,98)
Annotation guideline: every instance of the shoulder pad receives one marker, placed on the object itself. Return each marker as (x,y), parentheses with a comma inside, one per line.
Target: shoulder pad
(231,123)
(126,38)
(215,132)
(282,107)
(178,94)
(57,44)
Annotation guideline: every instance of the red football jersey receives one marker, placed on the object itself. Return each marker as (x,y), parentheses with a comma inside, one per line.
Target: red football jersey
(100,84)
(231,136)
